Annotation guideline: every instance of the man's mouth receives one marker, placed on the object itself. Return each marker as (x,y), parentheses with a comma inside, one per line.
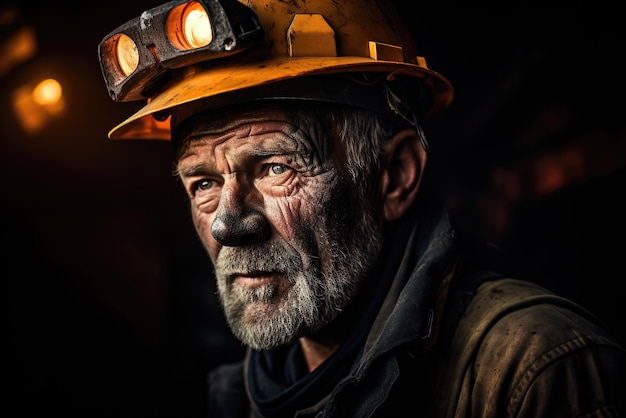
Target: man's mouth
(256,278)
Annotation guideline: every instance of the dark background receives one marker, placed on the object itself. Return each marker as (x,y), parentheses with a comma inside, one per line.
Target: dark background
(109,306)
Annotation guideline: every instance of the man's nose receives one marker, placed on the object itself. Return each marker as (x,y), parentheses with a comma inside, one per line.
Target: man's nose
(236,223)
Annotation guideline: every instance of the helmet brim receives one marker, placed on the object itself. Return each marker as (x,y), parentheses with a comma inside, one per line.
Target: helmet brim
(221,85)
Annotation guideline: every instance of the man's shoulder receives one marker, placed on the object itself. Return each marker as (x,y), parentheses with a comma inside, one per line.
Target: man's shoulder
(227,375)
(227,393)
(516,343)
(510,308)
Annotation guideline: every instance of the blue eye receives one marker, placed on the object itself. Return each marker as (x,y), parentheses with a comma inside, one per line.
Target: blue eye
(277,169)
(205,184)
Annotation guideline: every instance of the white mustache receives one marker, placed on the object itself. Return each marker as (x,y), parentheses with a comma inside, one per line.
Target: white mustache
(275,257)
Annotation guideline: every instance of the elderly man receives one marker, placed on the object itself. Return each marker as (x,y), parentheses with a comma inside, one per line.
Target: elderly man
(298,139)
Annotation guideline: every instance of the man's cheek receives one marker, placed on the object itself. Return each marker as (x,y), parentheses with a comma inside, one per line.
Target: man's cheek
(294,219)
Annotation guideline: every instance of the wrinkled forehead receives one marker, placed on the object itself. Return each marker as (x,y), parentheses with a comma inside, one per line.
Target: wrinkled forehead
(306,121)
(186,125)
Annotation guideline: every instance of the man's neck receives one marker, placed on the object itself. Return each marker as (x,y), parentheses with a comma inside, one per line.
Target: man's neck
(317,351)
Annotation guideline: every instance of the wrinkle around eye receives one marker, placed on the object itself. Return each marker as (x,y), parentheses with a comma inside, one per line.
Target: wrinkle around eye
(205,193)
(277,174)
(205,200)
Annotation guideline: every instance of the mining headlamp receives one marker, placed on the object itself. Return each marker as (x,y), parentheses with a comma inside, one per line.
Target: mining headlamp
(138,54)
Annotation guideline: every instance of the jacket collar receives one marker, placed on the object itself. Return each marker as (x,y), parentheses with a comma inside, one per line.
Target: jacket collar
(418,289)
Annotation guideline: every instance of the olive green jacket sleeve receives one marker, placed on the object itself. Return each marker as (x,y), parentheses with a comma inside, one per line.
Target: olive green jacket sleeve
(521,351)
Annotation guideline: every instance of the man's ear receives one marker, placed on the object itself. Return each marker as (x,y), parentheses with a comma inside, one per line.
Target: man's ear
(404,162)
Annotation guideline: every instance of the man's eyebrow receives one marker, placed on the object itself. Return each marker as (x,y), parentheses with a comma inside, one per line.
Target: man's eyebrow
(268,152)
(193,170)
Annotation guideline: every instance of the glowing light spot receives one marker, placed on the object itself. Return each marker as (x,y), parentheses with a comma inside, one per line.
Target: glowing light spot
(35,107)
(48,92)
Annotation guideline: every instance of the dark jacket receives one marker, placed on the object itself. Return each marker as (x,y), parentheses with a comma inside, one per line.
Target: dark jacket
(452,341)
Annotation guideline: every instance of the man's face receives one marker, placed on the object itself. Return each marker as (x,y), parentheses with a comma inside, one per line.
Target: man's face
(272,203)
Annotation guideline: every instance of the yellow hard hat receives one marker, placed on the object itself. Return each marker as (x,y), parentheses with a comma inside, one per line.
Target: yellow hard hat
(277,41)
